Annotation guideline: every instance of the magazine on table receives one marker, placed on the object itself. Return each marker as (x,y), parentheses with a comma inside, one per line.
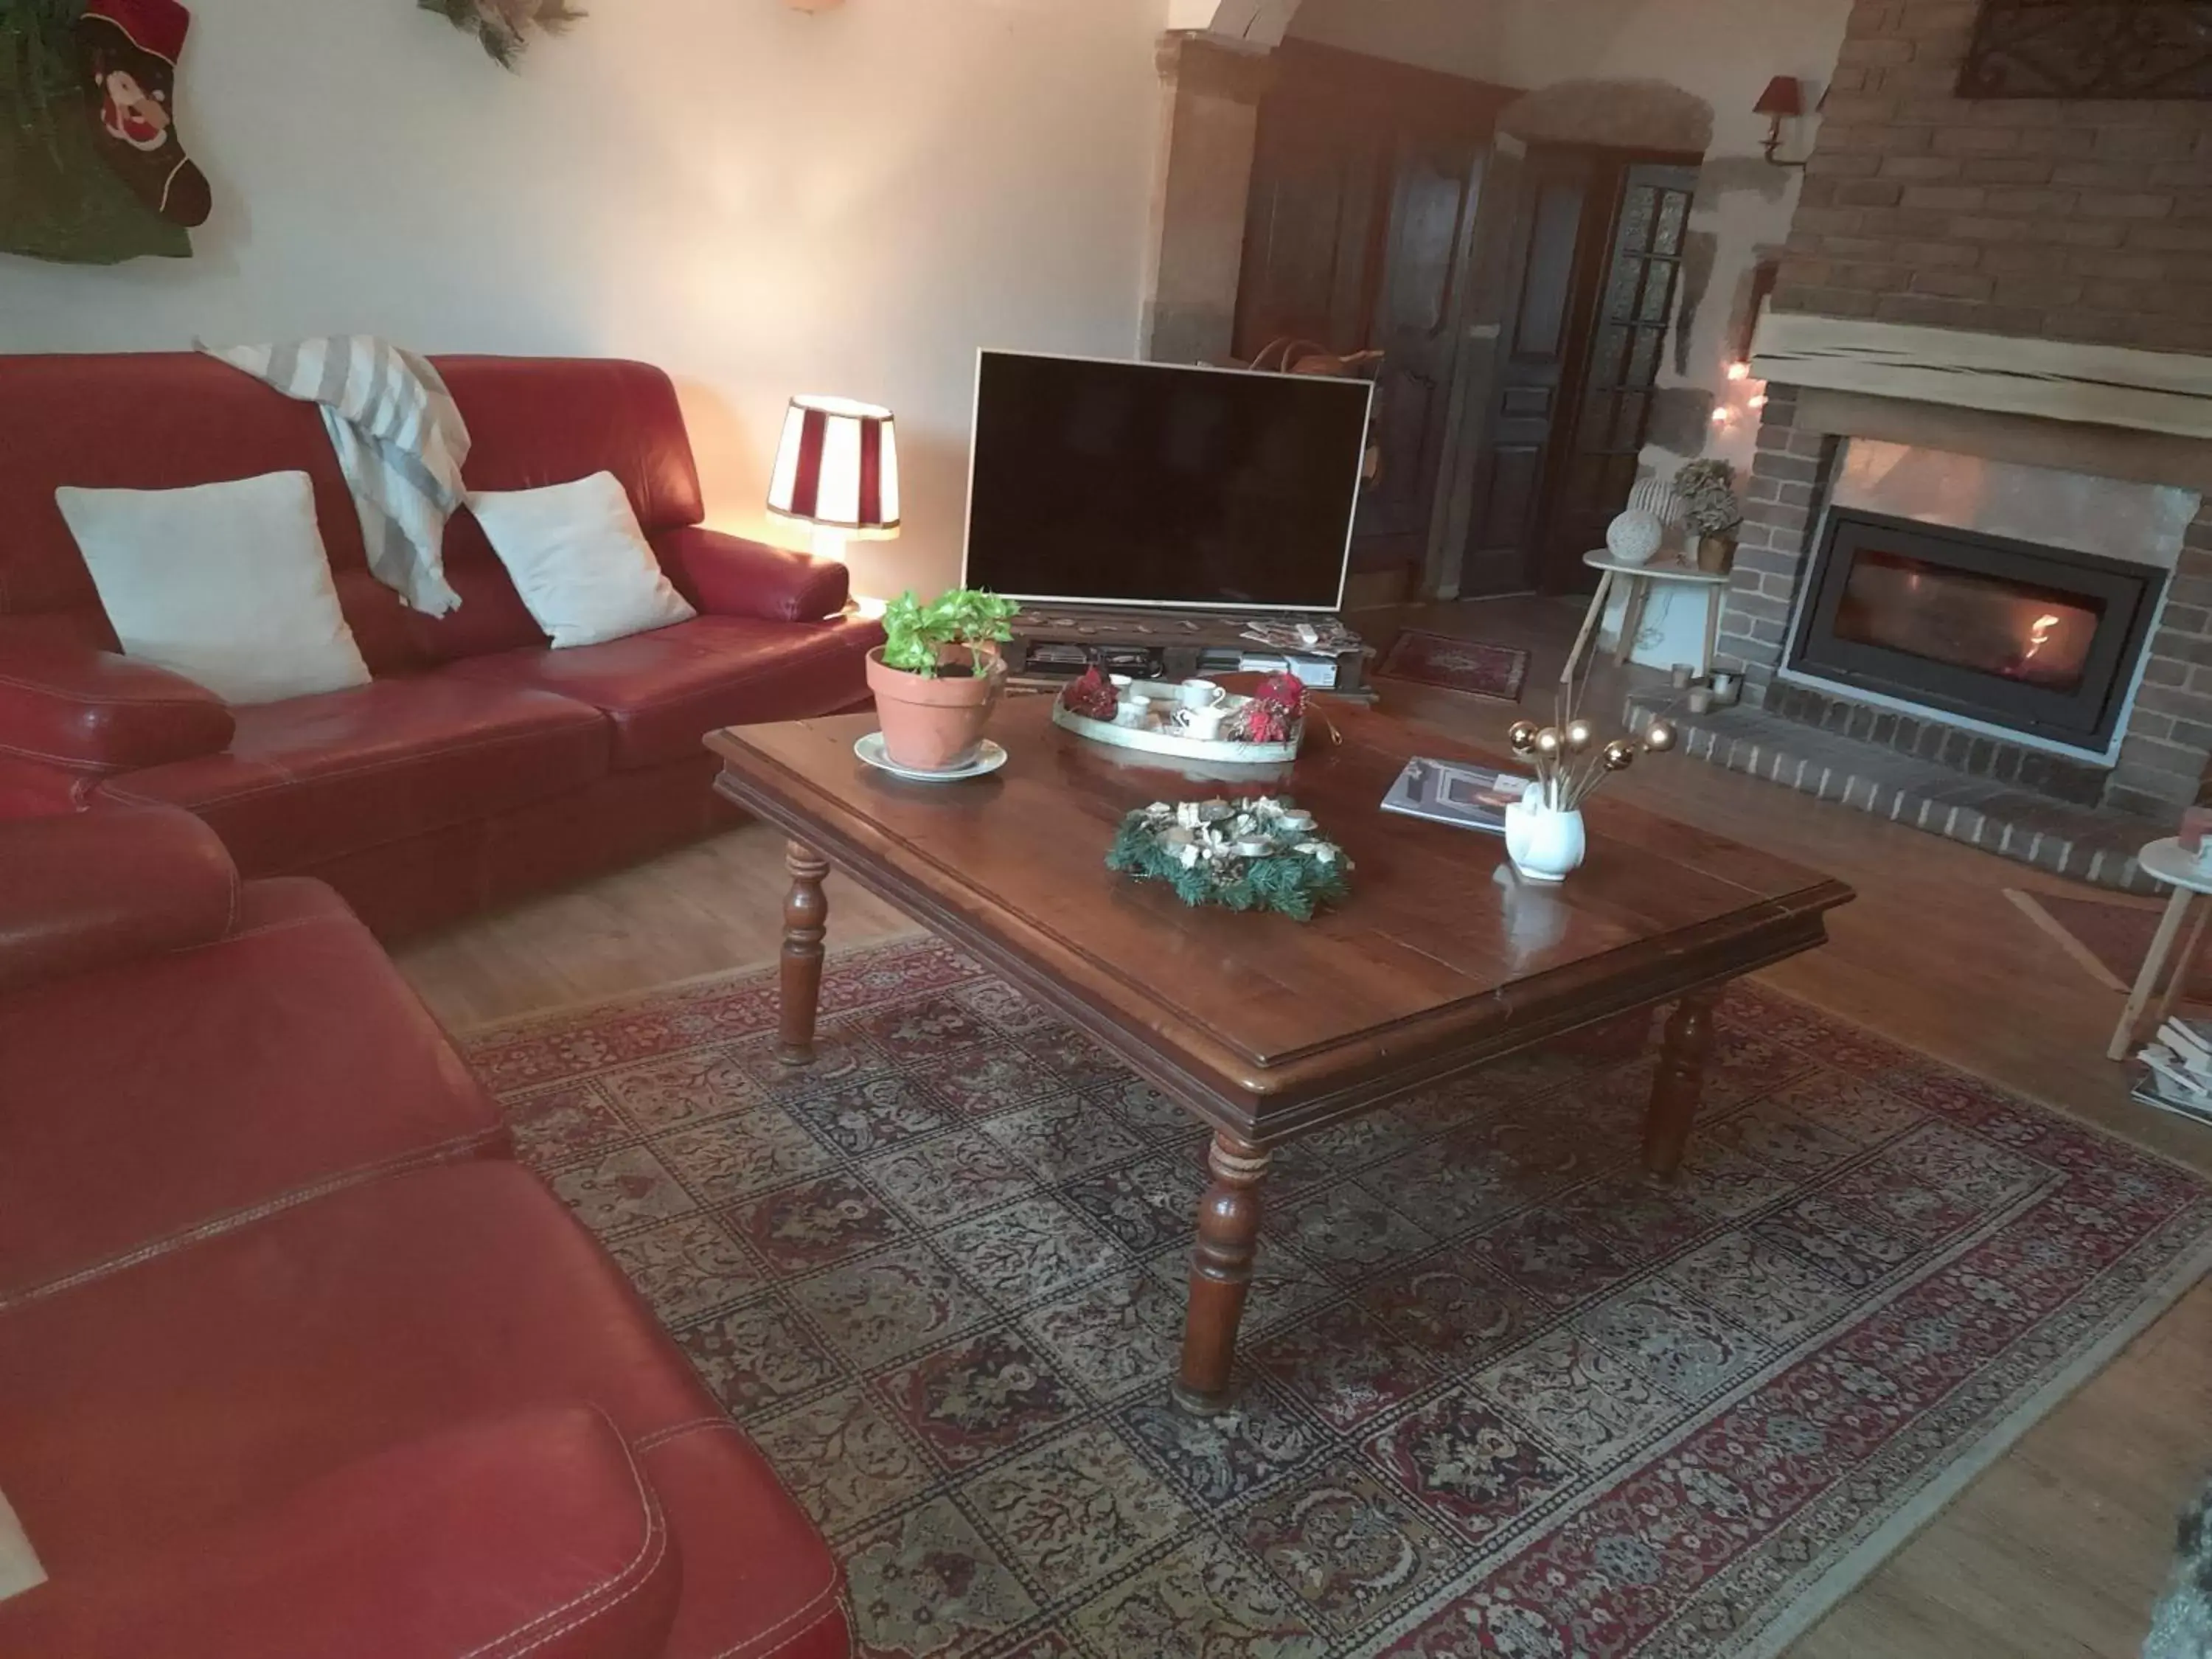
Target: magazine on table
(2177,1075)
(1455,793)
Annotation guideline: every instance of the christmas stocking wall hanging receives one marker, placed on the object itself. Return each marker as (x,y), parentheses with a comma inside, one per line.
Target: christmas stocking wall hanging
(129,50)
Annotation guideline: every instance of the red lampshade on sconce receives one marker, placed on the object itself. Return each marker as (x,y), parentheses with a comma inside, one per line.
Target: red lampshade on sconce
(836,473)
(1783,100)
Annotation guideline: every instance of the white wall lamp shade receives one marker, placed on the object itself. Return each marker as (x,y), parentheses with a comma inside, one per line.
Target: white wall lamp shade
(837,469)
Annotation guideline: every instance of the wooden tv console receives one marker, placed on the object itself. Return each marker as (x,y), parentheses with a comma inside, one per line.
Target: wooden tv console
(1059,641)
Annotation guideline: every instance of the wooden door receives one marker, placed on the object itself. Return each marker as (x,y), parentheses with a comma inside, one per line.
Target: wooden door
(1636,308)
(1357,238)
(1309,239)
(1538,340)
(1434,177)
(1597,250)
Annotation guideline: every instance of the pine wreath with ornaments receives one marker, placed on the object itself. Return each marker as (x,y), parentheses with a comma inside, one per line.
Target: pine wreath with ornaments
(1264,854)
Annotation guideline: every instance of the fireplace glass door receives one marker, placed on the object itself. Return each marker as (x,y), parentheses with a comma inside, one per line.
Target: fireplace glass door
(2042,641)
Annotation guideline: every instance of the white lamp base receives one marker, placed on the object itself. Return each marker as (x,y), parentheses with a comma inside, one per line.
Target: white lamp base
(830,545)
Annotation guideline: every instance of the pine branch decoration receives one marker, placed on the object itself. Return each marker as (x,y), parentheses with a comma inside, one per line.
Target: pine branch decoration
(1253,856)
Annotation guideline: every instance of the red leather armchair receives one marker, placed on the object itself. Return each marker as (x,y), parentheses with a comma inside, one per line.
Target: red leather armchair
(480,765)
(294,1360)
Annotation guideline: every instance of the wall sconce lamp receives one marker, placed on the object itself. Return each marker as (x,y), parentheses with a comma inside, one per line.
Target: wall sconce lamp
(1783,100)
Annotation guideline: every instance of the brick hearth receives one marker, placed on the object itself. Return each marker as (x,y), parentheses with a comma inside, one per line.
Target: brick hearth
(2089,844)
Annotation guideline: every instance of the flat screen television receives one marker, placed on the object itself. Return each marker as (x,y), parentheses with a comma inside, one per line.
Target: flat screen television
(1153,484)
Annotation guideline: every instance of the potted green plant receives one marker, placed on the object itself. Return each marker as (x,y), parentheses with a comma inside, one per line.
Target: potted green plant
(1710,511)
(938,676)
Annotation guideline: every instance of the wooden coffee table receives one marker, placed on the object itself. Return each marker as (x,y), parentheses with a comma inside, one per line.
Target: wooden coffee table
(1264,1028)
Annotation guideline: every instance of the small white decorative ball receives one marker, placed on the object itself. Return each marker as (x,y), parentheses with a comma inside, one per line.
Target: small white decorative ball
(1635,536)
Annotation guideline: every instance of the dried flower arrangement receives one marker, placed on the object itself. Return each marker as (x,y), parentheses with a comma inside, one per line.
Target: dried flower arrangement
(1707,491)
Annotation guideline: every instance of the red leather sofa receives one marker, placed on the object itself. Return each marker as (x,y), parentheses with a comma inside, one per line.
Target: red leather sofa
(293,1359)
(481,765)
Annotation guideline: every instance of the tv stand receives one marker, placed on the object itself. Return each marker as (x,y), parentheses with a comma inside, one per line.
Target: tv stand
(1054,642)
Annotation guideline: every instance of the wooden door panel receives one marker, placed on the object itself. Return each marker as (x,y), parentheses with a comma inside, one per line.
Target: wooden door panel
(1357,238)
(1423,260)
(1512,477)
(1644,249)
(1308,246)
(1516,477)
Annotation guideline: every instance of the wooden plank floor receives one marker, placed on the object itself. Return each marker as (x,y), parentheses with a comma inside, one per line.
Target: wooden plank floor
(2058,1550)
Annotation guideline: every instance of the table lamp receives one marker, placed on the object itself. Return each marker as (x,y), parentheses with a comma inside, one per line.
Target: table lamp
(837,474)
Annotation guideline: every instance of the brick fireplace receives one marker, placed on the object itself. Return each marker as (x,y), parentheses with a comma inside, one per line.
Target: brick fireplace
(2023,283)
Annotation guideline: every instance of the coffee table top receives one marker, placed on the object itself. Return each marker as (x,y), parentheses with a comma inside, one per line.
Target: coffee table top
(1440,959)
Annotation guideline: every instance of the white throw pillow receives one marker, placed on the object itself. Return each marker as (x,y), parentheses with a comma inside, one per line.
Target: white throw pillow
(20,1568)
(578,560)
(226,584)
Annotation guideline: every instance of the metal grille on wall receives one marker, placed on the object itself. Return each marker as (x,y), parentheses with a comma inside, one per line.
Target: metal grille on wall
(2090,49)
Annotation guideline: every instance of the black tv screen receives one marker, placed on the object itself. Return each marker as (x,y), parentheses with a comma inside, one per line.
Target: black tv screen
(1142,484)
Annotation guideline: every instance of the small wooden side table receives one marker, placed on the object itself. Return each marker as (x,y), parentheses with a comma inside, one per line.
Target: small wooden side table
(1638,579)
(2166,862)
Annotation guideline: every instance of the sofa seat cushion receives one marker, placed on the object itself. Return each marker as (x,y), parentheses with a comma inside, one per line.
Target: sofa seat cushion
(531,1534)
(208,1381)
(664,691)
(190,1090)
(314,778)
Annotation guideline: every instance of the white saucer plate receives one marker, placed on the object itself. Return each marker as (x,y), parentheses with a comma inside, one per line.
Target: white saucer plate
(988,759)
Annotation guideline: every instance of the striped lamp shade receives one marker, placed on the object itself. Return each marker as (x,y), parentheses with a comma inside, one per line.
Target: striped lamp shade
(837,469)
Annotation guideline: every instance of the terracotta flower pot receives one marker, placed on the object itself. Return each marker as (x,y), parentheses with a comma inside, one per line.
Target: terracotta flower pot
(935,724)
(1717,554)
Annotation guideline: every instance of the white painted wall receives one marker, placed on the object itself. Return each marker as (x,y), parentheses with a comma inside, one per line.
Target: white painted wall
(761,201)
(1723,52)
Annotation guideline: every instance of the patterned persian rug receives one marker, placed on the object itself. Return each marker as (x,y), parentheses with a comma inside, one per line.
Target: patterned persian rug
(1500,1396)
(1487,670)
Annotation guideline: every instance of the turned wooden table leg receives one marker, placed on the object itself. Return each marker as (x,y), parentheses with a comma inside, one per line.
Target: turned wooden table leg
(1674,1093)
(1220,1271)
(805,921)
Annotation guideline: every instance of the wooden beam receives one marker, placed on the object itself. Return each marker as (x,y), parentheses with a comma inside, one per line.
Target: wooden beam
(2056,380)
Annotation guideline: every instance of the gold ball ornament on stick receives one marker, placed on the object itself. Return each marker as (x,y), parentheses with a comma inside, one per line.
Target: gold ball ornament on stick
(1549,742)
(1619,754)
(1579,735)
(1522,736)
(1659,736)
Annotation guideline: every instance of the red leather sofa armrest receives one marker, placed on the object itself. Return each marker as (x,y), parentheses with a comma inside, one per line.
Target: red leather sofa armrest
(79,890)
(729,576)
(95,711)
(534,1535)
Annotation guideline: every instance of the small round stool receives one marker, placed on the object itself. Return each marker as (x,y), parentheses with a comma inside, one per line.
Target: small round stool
(2166,862)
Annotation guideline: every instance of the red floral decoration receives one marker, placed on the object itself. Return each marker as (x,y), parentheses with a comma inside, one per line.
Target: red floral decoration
(1278,705)
(1093,697)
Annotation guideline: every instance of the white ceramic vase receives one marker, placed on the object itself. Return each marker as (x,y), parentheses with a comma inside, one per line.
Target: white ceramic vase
(1545,844)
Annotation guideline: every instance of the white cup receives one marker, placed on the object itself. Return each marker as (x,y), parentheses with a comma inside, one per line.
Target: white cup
(1198,694)
(1204,724)
(1132,710)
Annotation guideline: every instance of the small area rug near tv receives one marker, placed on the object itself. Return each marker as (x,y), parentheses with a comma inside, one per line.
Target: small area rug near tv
(1451,792)
(1468,666)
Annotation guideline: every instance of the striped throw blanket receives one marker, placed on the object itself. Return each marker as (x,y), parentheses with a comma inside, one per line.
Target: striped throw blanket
(400,441)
